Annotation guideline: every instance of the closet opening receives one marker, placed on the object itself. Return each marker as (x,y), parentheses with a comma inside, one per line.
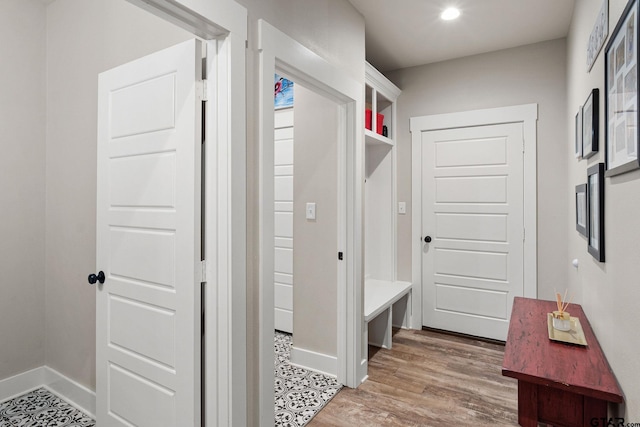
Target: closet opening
(337,326)
(305,270)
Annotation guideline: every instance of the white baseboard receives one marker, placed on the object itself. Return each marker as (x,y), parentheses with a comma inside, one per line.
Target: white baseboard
(22,383)
(74,393)
(364,369)
(313,361)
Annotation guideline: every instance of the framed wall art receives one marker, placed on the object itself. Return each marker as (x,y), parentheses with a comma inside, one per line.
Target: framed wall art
(282,92)
(581,209)
(598,34)
(595,211)
(578,144)
(621,99)
(590,120)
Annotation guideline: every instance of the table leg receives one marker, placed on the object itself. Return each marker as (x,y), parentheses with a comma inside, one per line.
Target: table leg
(527,404)
(594,408)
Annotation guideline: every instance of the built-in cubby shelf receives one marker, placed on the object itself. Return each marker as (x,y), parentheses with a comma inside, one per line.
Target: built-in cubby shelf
(386,298)
(375,139)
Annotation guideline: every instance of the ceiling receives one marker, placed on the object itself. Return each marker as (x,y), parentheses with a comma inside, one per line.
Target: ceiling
(406,33)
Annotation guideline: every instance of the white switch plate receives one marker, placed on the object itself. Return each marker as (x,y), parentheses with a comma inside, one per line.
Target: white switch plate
(311,211)
(402,208)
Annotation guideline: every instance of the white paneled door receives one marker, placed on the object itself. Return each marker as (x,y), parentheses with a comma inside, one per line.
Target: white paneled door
(283,220)
(473,227)
(148,240)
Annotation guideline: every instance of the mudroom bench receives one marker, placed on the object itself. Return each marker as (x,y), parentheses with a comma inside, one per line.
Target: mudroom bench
(386,304)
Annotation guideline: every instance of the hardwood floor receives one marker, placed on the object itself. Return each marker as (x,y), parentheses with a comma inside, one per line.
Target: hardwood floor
(428,379)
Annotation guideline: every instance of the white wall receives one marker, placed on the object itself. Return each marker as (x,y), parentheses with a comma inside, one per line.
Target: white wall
(315,254)
(609,291)
(523,75)
(84,38)
(22,185)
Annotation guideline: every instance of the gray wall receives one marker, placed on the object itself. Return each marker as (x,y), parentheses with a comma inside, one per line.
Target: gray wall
(523,75)
(609,291)
(22,185)
(315,179)
(85,37)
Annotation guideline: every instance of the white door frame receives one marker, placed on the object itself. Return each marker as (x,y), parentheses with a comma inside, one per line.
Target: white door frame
(525,114)
(223,23)
(280,53)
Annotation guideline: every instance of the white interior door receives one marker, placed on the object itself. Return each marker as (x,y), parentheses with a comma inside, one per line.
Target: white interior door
(283,220)
(472,209)
(148,241)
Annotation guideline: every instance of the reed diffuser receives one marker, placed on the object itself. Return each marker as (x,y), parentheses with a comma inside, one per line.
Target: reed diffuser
(561,318)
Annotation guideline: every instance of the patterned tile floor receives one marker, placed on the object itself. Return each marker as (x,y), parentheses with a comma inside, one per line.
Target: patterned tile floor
(300,393)
(41,408)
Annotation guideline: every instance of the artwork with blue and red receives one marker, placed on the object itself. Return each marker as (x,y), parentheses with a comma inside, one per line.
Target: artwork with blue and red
(283,92)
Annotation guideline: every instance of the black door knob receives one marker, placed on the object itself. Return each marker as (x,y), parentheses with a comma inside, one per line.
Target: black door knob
(99,278)
(427,239)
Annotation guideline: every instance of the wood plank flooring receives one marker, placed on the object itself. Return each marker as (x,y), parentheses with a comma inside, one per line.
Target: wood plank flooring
(428,379)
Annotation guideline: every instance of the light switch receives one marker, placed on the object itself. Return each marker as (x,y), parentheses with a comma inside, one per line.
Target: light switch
(311,211)
(402,208)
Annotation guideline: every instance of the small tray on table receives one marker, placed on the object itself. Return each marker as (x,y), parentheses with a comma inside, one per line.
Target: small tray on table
(573,336)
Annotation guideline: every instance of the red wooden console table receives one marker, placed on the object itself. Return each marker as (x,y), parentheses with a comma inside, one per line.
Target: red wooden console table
(559,384)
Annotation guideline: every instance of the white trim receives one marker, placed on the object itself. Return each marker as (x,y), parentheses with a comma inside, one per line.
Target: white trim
(64,387)
(225,231)
(206,19)
(314,361)
(278,51)
(525,114)
(21,383)
(375,78)
(416,227)
(76,394)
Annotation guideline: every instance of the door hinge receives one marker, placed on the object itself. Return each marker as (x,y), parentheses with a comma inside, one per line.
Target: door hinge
(203,90)
(340,256)
(523,145)
(524,234)
(202,272)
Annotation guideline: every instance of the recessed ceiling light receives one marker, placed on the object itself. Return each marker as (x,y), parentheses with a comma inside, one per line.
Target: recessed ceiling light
(450,13)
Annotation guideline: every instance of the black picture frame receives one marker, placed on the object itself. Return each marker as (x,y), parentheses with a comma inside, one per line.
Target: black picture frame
(578,142)
(590,120)
(622,114)
(581,209)
(595,211)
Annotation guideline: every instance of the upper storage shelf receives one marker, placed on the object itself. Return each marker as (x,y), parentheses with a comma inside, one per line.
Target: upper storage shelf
(380,99)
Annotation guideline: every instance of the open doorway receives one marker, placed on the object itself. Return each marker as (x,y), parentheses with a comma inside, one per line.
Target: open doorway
(305,251)
(280,54)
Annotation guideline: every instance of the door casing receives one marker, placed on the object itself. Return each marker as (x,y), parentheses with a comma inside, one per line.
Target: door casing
(278,53)
(527,115)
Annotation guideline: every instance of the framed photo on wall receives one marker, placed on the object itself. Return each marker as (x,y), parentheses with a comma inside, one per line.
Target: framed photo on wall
(595,211)
(621,99)
(578,145)
(581,209)
(590,120)
(282,93)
